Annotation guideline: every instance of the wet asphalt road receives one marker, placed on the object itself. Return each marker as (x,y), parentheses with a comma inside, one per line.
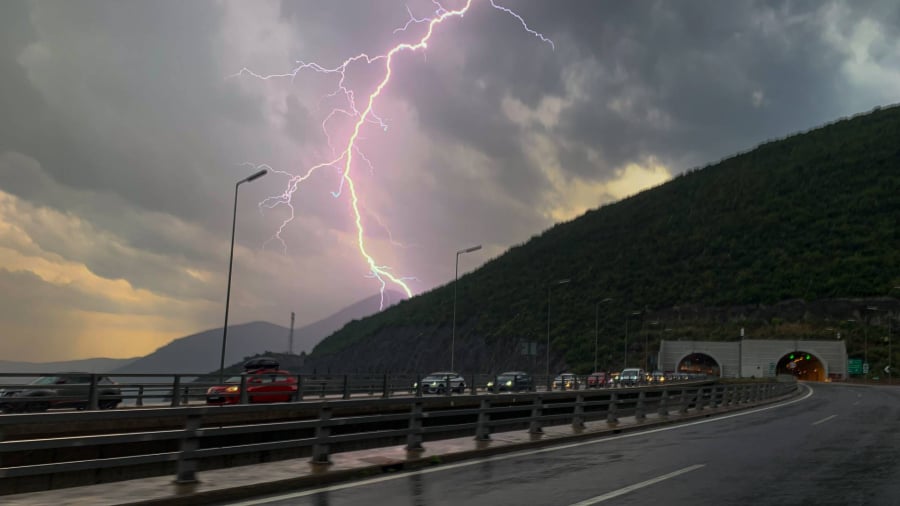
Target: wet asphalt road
(838,446)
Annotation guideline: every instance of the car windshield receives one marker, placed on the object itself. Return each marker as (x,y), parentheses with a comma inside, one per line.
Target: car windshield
(45,380)
(438,377)
(507,377)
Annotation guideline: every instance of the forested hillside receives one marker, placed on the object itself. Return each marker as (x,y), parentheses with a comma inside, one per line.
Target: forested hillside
(811,217)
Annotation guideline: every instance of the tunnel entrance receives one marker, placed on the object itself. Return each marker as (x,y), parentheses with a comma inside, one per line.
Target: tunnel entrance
(699,363)
(802,365)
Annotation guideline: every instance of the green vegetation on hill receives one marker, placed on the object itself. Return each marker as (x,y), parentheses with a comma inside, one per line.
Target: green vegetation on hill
(813,217)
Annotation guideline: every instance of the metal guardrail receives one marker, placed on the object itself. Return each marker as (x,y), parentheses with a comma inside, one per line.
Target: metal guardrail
(156,390)
(337,425)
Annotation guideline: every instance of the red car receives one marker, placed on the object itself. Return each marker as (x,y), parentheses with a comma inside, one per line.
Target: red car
(597,380)
(263,385)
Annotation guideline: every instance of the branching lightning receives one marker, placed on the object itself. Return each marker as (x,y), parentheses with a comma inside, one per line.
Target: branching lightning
(362,112)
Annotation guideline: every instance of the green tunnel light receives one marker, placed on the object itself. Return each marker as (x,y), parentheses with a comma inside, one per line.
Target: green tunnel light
(791,357)
(807,357)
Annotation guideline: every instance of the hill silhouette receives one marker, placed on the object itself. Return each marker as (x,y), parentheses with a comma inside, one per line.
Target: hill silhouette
(811,219)
(201,352)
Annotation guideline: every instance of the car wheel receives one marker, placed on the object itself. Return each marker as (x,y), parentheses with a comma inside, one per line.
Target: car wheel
(108,404)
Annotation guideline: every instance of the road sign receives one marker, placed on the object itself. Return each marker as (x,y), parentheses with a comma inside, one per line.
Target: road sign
(854,366)
(866,368)
(887,369)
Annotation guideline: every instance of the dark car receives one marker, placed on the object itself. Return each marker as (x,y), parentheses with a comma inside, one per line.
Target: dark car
(437,383)
(512,381)
(64,390)
(598,380)
(263,385)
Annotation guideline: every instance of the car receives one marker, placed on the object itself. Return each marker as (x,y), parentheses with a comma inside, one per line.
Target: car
(511,381)
(565,381)
(62,390)
(263,385)
(632,377)
(598,379)
(657,378)
(438,382)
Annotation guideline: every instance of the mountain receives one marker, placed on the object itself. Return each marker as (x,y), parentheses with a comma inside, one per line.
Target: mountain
(755,245)
(94,365)
(201,352)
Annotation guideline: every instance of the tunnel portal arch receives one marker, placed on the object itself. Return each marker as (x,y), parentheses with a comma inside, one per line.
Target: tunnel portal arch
(699,363)
(802,365)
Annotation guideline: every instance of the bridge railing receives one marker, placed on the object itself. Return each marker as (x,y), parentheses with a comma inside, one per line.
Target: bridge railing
(207,437)
(18,393)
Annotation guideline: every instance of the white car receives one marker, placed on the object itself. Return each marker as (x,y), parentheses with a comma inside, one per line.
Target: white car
(437,383)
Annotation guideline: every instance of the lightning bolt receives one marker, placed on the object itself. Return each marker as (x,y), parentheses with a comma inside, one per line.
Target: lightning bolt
(362,112)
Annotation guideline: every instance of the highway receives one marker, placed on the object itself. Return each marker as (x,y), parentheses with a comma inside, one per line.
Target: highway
(836,444)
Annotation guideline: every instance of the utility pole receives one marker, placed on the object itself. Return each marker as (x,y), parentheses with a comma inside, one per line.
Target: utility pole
(291,336)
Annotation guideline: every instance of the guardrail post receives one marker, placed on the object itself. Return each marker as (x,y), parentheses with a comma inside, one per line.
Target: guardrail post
(186,398)
(140,396)
(448,386)
(322,393)
(176,391)
(611,409)
(482,431)
(298,395)
(414,436)
(684,401)
(474,387)
(731,393)
(701,398)
(346,394)
(186,470)
(93,394)
(713,397)
(663,410)
(418,385)
(323,430)
(578,415)
(245,396)
(534,426)
(385,393)
(640,411)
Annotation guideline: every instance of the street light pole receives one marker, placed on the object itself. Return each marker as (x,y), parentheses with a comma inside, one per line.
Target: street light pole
(866,340)
(558,282)
(247,179)
(627,318)
(455,281)
(597,330)
(647,347)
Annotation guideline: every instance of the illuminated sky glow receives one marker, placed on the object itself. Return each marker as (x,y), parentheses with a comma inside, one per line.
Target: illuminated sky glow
(360,117)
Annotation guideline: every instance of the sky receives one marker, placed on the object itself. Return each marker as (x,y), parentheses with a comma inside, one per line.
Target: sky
(126,125)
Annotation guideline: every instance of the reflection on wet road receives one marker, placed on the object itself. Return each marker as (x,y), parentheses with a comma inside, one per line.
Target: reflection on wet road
(836,446)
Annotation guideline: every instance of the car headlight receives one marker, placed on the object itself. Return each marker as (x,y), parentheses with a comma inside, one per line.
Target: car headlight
(509,383)
(490,384)
(416,385)
(232,389)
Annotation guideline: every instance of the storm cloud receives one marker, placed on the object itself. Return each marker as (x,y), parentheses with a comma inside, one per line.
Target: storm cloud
(126,125)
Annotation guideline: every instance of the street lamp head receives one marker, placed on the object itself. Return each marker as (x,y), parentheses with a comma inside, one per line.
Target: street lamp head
(256,176)
(562,281)
(469,250)
(608,299)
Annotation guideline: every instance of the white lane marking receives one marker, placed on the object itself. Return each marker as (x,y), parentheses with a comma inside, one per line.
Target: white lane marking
(512,455)
(636,486)
(825,419)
